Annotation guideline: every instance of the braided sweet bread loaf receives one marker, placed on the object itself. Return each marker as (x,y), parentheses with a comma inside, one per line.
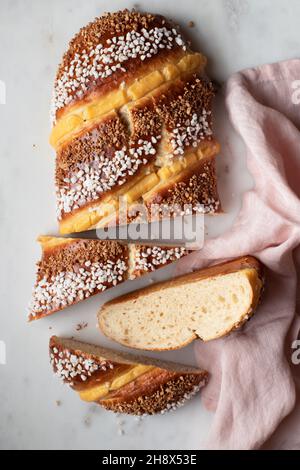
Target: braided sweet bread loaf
(132,122)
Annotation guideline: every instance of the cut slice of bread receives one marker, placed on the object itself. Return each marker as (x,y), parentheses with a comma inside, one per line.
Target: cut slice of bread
(121,382)
(73,269)
(206,304)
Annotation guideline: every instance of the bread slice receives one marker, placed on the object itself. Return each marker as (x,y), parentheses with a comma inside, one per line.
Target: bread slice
(74,269)
(121,382)
(206,304)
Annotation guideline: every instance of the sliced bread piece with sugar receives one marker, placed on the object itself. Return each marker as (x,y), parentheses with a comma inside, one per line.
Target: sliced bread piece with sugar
(206,304)
(73,269)
(124,383)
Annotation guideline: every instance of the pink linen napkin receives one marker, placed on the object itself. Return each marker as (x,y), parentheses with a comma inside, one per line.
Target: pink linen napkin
(253,384)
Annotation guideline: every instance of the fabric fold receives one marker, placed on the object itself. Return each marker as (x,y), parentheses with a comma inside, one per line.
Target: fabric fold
(252,387)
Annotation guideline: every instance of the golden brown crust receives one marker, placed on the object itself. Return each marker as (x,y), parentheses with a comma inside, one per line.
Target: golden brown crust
(146,259)
(80,368)
(86,184)
(147,383)
(82,54)
(195,191)
(102,145)
(63,258)
(144,119)
(100,88)
(80,269)
(166,386)
(182,100)
(71,270)
(157,393)
(172,107)
(103,28)
(104,138)
(119,148)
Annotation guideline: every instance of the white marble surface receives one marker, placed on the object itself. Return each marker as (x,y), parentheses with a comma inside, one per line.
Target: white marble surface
(33,35)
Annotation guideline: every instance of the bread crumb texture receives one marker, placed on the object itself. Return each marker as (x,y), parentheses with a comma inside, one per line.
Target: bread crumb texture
(172,317)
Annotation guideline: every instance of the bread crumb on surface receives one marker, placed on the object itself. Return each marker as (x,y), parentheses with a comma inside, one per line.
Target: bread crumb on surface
(120,425)
(81,326)
(191,24)
(87,421)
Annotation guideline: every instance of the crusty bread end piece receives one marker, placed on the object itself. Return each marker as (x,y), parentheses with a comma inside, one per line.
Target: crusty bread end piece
(206,304)
(121,382)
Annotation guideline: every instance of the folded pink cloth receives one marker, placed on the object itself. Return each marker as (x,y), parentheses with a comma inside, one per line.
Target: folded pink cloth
(252,387)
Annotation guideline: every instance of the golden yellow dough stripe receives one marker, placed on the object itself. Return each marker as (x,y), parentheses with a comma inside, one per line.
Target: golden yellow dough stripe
(98,214)
(48,243)
(96,392)
(83,116)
